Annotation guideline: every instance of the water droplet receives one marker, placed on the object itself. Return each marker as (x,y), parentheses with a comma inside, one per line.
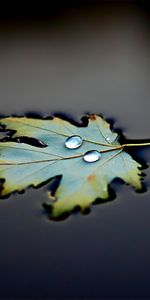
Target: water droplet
(108,139)
(92,156)
(73,142)
(112,138)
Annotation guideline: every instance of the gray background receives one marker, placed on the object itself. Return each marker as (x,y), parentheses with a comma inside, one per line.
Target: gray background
(91,58)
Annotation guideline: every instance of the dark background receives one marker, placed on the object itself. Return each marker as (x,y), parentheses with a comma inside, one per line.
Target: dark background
(77,57)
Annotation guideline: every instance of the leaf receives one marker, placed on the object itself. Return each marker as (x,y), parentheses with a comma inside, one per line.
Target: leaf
(23,165)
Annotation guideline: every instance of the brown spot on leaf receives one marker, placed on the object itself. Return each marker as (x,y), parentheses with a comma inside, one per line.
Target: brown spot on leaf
(92,117)
(91,177)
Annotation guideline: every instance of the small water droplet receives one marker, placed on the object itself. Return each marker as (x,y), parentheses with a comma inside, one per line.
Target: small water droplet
(92,156)
(108,139)
(73,142)
(112,138)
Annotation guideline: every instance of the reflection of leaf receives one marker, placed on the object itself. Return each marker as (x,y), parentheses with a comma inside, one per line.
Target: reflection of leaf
(82,182)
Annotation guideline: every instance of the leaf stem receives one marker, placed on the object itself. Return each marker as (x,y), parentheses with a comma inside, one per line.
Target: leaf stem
(117,147)
(136,145)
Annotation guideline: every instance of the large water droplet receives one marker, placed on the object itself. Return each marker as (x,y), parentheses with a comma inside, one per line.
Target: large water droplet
(92,156)
(73,142)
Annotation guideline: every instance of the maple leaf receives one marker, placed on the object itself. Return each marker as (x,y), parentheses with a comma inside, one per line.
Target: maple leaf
(82,181)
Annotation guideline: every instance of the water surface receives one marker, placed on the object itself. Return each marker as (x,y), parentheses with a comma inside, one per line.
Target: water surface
(94,60)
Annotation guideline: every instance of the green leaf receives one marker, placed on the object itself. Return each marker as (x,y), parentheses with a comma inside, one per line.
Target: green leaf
(23,165)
